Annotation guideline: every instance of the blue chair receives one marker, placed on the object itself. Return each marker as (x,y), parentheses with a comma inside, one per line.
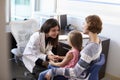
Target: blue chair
(92,72)
(96,68)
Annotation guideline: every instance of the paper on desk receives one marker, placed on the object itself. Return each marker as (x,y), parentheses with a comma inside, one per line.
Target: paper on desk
(63,37)
(84,36)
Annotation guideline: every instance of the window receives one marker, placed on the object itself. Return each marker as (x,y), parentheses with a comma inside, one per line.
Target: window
(20,9)
(22,2)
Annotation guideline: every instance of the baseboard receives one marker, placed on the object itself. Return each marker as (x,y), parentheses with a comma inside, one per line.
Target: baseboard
(111,77)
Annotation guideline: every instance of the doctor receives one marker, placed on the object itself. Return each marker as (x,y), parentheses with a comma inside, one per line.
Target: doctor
(40,45)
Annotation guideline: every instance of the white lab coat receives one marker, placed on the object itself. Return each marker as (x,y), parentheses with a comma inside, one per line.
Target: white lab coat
(35,49)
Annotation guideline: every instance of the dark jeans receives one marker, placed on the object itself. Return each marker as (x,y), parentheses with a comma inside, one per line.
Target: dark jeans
(37,69)
(59,77)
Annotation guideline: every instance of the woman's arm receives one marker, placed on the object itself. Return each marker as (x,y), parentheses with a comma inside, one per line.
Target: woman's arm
(66,60)
(61,57)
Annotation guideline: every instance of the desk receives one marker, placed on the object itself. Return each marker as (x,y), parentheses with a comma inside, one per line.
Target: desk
(64,47)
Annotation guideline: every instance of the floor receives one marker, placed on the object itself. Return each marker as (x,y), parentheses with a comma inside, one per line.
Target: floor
(19,71)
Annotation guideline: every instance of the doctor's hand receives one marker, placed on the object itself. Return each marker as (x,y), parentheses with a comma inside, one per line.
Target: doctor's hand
(52,57)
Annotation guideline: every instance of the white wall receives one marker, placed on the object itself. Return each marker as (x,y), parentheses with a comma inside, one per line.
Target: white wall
(77,10)
(4,65)
(47,6)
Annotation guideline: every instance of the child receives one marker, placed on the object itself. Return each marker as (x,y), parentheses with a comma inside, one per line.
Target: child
(72,56)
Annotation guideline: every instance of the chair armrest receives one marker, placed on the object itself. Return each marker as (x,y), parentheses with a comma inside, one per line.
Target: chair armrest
(16,52)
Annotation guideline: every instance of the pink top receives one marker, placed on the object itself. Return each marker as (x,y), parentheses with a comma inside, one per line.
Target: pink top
(76,55)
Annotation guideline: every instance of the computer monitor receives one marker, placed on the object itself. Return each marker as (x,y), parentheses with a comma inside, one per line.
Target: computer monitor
(63,21)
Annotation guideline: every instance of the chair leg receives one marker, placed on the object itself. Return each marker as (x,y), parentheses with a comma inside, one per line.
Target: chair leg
(29,75)
(16,59)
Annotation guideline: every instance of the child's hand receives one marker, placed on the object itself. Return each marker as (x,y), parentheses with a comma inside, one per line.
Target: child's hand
(56,58)
(48,76)
(51,56)
(52,62)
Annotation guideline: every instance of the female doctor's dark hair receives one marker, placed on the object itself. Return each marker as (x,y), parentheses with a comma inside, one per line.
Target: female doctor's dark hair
(50,23)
